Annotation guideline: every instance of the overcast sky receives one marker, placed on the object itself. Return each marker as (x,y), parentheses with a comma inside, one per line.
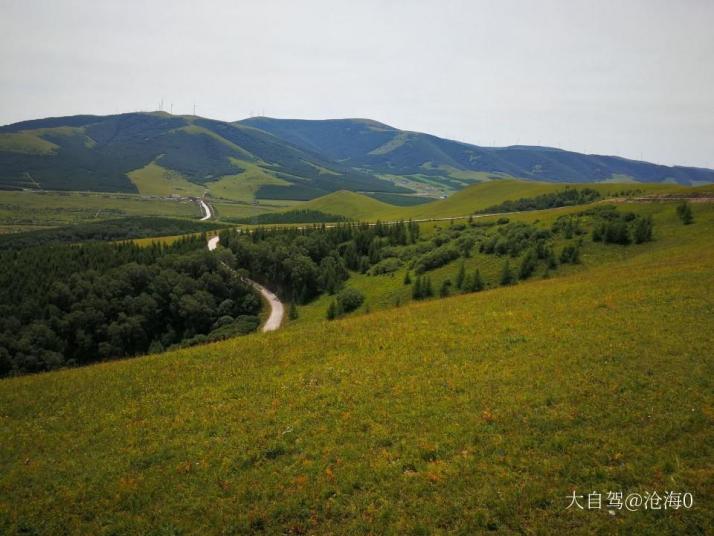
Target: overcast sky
(628,77)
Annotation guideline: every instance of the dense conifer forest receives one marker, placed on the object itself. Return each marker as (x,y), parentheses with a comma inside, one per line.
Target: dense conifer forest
(64,305)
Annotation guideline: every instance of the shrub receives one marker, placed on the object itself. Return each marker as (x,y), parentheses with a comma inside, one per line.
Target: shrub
(349,299)
(684,211)
(386,266)
(436,258)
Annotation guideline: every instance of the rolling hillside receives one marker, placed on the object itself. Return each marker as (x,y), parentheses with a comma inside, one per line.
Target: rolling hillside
(161,154)
(469,200)
(477,413)
(260,159)
(381,149)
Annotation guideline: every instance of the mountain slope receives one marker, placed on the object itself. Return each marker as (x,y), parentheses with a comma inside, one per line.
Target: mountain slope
(100,153)
(379,148)
(467,415)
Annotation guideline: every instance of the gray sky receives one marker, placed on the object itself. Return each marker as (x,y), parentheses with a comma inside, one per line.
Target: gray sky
(627,77)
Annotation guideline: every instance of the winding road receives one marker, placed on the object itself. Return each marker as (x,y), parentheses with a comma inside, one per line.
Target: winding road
(207,209)
(277,310)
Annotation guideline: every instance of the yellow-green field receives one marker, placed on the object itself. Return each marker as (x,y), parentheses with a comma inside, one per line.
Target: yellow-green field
(476,197)
(31,209)
(471,414)
(156,180)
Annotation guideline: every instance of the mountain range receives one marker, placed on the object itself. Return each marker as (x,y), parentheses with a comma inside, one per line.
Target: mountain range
(288,159)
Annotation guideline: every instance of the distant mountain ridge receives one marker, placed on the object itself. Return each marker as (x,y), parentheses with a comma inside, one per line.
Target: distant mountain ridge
(282,159)
(379,148)
(98,153)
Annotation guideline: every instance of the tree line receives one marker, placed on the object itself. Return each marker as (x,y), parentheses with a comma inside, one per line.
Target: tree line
(66,305)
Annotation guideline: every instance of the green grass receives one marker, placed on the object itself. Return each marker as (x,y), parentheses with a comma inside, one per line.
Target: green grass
(26,142)
(24,209)
(387,291)
(351,205)
(156,180)
(243,186)
(475,197)
(476,413)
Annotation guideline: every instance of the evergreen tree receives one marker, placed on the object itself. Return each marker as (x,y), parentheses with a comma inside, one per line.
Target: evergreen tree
(478,282)
(407,278)
(684,211)
(332,310)
(461,276)
(551,260)
(293,311)
(528,265)
(445,289)
(428,291)
(642,230)
(417,288)
(507,277)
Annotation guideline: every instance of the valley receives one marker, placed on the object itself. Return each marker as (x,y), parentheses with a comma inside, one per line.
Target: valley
(413,364)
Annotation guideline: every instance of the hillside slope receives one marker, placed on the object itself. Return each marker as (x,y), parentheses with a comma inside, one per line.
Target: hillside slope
(469,200)
(158,153)
(379,148)
(473,413)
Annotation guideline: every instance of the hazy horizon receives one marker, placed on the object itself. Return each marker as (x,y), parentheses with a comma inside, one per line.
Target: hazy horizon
(593,77)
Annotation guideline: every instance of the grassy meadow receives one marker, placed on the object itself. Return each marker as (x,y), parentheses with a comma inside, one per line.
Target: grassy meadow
(472,198)
(475,413)
(22,210)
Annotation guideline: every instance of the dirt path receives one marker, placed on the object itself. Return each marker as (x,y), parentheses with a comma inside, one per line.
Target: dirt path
(277,310)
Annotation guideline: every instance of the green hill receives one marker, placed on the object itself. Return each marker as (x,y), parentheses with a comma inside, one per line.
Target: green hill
(467,201)
(157,153)
(476,413)
(423,158)
(351,205)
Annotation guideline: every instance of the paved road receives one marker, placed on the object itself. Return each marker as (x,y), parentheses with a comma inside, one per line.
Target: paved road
(206,209)
(277,310)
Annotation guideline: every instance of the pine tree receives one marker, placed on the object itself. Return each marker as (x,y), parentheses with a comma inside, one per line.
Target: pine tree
(551,261)
(407,278)
(332,310)
(445,289)
(293,312)
(527,265)
(478,284)
(643,230)
(428,290)
(416,289)
(461,276)
(684,211)
(507,277)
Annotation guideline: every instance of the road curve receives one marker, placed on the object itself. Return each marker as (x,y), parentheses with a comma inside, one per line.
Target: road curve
(206,208)
(277,310)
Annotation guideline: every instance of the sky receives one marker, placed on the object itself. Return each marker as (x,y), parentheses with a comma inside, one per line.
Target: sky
(633,78)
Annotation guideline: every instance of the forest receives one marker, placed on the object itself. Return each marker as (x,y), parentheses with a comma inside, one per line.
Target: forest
(564,198)
(291,216)
(116,229)
(66,305)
